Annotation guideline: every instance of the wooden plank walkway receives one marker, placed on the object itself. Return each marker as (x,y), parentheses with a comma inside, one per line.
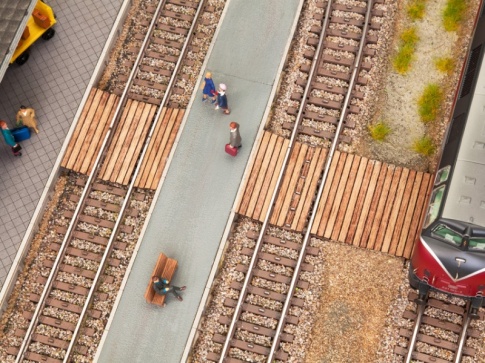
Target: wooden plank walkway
(127,142)
(90,131)
(159,148)
(298,186)
(365,203)
(372,204)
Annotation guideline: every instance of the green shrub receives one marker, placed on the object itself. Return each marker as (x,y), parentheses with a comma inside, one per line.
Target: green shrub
(445,65)
(379,131)
(405,54)
(416,9)
(424,146)
(453,14)
(430,102)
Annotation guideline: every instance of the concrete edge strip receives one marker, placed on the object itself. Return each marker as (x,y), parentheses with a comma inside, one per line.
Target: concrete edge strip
(24,248)
(158,191)
(223,243)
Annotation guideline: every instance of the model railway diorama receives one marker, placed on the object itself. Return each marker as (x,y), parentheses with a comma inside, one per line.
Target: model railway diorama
(301,186)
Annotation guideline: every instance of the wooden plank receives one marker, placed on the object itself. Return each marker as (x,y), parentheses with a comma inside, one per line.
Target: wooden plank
(285,183)
(325,200)
(345,204)
(270,171)
(415,229)
(363,202)
(294,178)
(377,206)
(300,188)
(136,147)
(109,161)
(398,226)
(380,232)
(81,131)
(72,142)
(127,138)
(304,210)
(363,175)
(390,225)
(100,133)
(402,237)
(258,160)
(307,191)
(336,202)
(89,130)
(152,150)
(157,271)
(167,142)
(262,175)
(279,165)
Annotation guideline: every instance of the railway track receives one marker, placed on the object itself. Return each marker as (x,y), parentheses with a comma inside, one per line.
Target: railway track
(93,238)
(258,320)
(440,331)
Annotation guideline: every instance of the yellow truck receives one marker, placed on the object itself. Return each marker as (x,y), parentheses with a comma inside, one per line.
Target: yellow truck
(39,25)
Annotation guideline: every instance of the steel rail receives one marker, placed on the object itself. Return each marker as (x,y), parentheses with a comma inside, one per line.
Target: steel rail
(131,186)
(291,144)
(259,242)
(98,162)
(328,161)
(62,251)
(417,325)
(463,335)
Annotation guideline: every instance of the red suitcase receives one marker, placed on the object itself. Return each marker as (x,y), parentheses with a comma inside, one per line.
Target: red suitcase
(231,151)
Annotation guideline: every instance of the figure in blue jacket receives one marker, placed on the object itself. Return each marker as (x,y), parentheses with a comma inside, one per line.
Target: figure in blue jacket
(162,286)
(208,88)
(9,139)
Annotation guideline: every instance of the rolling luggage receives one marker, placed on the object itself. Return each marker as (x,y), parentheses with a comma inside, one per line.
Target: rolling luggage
(21,133)
(231,151)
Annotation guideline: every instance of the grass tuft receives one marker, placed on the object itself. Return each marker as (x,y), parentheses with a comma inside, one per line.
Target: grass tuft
(379,131)
(445,65)
(453,14)
(424,146)
(416,9)
(429,103)
(405,54)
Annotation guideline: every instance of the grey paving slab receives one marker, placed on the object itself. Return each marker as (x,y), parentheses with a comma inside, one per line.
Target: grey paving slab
(196,198)
(53,82)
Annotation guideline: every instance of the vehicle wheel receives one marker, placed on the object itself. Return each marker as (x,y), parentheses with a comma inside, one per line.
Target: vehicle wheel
(21,59)
(49,33)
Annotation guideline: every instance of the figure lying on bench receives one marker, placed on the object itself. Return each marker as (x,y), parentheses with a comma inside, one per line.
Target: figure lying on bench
(162,287)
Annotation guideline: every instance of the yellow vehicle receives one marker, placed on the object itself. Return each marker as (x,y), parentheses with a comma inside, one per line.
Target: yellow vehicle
(39,25)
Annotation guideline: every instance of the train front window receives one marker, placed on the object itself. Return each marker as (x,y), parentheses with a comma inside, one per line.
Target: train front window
(434,205)
(447,234)
(477,243)
(442,175)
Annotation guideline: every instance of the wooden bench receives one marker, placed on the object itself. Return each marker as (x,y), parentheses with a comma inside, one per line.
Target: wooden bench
(165,268)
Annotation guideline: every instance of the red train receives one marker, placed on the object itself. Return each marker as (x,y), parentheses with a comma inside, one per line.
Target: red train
(450,253)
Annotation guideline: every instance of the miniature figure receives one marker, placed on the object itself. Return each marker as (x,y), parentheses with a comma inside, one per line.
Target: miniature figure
(26,117)
(235,137)
(222,99)
(9,139)
(209,89)
(162,286)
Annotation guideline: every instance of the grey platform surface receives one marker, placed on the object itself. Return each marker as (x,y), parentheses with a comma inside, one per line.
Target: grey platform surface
(196,199)
(53,82)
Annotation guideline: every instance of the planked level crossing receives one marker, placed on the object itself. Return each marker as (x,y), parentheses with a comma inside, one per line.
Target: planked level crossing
(127,142)
(366,203)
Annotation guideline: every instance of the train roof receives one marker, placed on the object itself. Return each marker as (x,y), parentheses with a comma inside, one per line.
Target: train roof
(466,195)
(14,15)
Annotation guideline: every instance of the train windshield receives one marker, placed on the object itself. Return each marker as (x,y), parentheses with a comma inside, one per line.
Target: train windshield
(477,243)
(444,232)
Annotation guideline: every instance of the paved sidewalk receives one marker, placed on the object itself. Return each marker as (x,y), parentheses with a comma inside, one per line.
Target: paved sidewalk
(196,198)
(53,82)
